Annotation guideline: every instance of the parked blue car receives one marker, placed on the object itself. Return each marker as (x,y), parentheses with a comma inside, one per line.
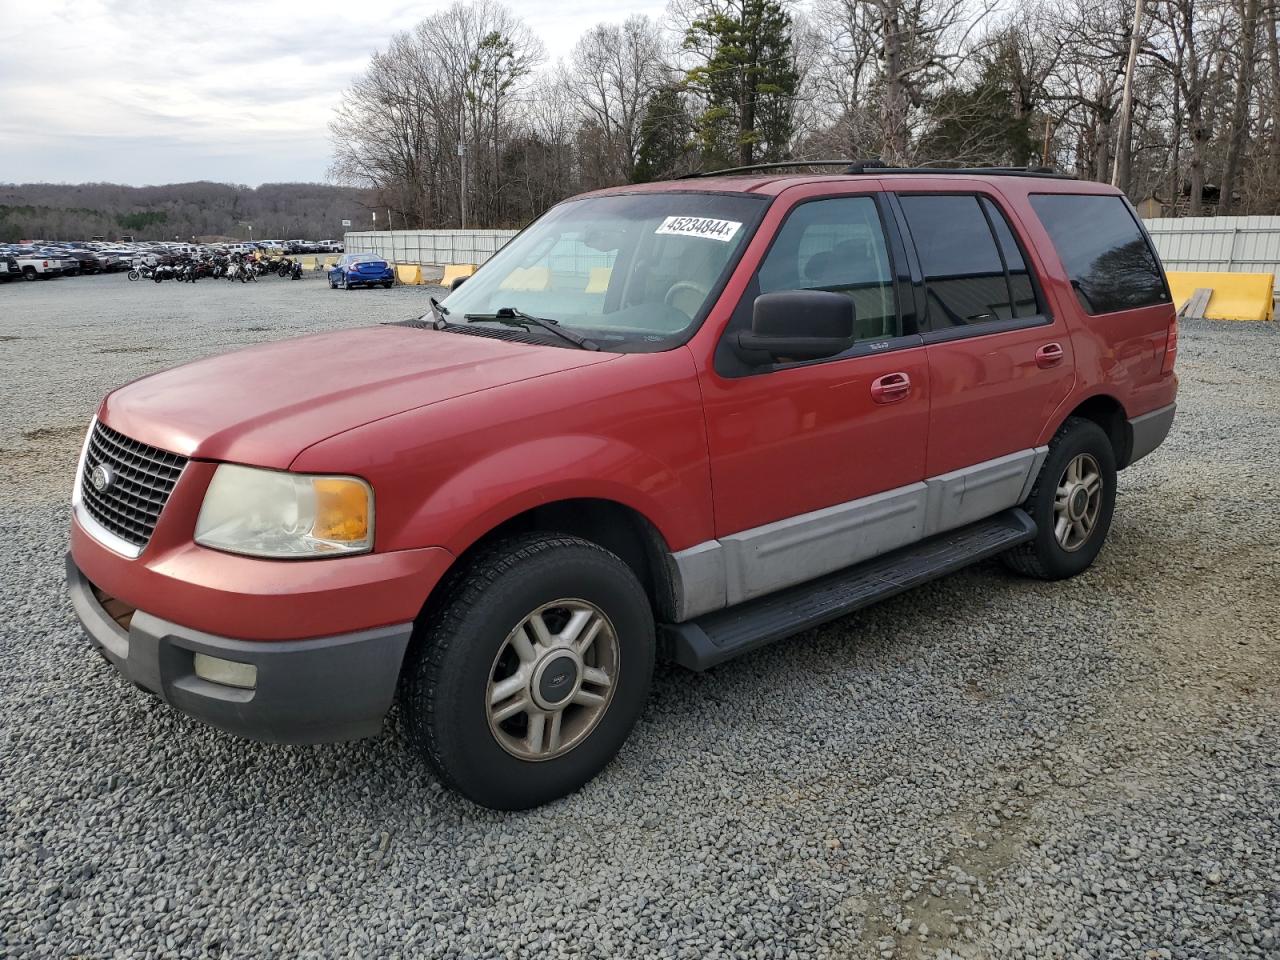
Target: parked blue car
(361,270)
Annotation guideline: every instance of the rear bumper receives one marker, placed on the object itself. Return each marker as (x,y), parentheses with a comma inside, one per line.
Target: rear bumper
(1149,430)
(308,691)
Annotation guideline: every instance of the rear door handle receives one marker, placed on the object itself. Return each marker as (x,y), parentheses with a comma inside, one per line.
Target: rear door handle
(890,388)
(1050,355)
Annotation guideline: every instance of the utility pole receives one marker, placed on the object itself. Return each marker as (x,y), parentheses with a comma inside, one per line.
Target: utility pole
(462,185)
(1124,152)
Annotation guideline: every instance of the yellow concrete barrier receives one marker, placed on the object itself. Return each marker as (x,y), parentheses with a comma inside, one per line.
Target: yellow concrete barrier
(1236,296)
(308,263)
(598,282)
(456,271)
(527,278)
(330,261)
(409,273)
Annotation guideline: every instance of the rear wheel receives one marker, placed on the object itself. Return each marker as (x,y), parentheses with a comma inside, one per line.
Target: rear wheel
(527,678)
(1071,503)
(29,273)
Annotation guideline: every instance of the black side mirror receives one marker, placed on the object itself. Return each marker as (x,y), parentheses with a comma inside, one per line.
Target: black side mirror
(798,325)
(458,281)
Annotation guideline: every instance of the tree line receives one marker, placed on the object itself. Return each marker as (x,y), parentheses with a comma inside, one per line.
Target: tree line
(463,119)
(277,211)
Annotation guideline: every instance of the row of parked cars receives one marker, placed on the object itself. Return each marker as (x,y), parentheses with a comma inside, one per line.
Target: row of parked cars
(46,259)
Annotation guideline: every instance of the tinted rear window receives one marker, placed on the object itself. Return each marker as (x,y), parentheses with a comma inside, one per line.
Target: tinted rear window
(969,279)
(1109,262)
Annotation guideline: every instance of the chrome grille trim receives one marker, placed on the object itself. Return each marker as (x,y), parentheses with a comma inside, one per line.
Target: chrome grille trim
(124,516)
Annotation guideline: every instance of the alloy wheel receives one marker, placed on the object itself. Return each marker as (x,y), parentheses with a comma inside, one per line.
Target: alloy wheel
(552,679)
(1077,502)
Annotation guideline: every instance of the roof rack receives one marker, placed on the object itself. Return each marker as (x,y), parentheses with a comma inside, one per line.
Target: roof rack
(876,167)
(777,165)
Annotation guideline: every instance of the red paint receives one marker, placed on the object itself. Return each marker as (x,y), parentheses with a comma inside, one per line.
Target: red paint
(457,434)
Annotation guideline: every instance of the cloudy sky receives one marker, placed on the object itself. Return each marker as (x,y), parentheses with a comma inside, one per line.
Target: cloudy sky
(162,91)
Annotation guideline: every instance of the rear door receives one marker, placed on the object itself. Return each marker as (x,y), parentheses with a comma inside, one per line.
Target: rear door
(999,363)
(814,465)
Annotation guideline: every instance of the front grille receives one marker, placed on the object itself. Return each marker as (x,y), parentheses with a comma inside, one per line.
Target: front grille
(142,478)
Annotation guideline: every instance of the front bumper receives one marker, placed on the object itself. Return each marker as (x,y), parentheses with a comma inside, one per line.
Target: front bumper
(308,691)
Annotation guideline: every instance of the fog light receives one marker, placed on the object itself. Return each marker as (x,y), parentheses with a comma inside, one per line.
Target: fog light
(227,672)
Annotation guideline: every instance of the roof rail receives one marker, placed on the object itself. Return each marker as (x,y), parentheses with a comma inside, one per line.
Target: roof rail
(876,167)
(777,165)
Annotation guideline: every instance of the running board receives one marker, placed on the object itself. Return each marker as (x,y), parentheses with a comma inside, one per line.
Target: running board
(716,637)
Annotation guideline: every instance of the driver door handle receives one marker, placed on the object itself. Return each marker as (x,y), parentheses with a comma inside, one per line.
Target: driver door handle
(890,388)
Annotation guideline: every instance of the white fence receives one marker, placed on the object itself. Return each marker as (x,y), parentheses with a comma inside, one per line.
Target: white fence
(1234,244)
(1226,244)
(429,247)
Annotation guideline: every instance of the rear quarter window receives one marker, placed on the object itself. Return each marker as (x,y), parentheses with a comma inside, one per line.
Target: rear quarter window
(1107,258)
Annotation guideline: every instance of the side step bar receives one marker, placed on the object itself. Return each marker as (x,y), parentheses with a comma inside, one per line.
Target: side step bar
(716,637)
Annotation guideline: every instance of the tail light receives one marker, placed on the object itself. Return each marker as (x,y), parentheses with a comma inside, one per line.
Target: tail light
(45,264)
(1170,347)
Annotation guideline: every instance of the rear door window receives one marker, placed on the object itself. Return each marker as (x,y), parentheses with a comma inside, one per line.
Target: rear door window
(1106,256)
(974,272)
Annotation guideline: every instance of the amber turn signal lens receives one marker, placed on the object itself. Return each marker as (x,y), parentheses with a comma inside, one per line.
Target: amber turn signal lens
(342,510)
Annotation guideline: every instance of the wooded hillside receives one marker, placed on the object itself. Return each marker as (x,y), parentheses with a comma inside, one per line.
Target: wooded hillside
(280,211)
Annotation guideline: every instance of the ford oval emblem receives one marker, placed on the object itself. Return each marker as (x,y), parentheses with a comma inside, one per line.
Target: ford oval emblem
(102,478)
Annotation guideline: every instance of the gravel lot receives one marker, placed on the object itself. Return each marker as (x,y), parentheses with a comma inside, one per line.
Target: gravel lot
(987,767)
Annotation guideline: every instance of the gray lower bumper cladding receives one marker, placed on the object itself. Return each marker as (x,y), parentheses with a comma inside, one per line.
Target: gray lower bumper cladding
(307,691)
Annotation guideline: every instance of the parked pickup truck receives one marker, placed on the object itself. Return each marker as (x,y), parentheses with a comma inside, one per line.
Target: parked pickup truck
(675,420)
(44,266)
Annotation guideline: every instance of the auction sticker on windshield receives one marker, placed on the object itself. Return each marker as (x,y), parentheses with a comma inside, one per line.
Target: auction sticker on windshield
(699,227)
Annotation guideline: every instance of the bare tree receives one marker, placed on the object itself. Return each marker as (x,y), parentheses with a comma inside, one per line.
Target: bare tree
(888,58)
(615,70)
(1188,47)
(1247,11)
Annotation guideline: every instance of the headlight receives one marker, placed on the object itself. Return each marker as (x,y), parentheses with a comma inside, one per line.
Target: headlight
(269,513)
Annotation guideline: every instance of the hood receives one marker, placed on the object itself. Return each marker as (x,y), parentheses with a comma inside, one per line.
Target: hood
(266,404)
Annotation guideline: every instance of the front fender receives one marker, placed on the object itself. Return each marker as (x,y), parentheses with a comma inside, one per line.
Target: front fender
(629,431)
(508,482)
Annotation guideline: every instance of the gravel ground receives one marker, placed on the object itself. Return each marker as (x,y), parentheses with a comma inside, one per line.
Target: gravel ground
(986,767)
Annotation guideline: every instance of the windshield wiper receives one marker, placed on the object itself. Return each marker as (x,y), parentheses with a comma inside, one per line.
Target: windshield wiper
(518,318)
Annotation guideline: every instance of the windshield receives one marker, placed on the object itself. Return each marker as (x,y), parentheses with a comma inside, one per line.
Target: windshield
(632,272)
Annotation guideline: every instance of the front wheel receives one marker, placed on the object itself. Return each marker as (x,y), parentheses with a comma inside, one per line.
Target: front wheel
(134,275)
(527,677)
(1071,503)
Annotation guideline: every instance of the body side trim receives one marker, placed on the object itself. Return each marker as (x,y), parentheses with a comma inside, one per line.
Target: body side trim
(751,563)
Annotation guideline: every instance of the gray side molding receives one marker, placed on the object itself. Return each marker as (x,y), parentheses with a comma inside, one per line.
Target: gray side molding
(1149,430)
(800,548)
(751,563)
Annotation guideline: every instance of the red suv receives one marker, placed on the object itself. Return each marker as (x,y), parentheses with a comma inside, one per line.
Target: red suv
(682,419)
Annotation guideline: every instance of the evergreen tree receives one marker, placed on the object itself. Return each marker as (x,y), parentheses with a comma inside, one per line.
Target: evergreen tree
(665,133)
(747,79)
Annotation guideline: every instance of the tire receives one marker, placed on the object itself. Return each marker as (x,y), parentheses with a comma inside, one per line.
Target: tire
(464,646)
(29,273)
(387,285)
(1060,549)
(134,275)
(332,285)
